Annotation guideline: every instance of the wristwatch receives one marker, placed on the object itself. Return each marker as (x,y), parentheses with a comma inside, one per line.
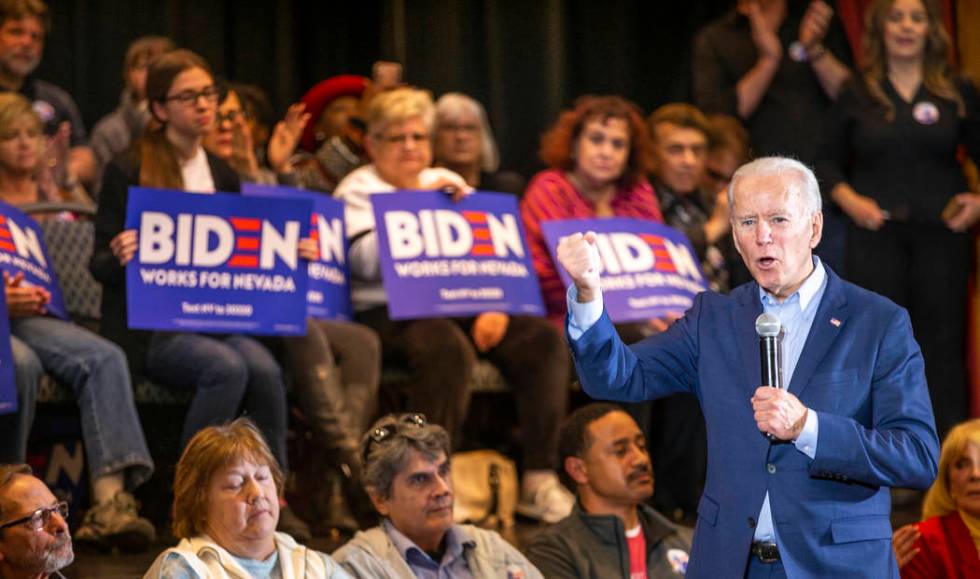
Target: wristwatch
(799,53)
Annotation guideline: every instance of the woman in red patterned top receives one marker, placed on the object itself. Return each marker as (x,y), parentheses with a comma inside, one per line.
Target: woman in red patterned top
(599,154)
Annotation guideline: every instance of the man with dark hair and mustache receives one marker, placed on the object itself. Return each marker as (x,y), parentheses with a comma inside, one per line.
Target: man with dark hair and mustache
(34,538)
(611,531)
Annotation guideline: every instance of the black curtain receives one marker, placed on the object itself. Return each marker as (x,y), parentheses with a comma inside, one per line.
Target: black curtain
(525,60)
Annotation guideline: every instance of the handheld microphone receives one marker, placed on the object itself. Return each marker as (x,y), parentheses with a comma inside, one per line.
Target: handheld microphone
(770,352)
(770,349)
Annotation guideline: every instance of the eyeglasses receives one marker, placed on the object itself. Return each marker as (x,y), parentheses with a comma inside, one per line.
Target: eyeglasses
(189,97)
(40,518)
(383,433)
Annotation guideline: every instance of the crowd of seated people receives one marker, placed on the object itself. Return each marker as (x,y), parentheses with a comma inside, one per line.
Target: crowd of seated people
(771,76)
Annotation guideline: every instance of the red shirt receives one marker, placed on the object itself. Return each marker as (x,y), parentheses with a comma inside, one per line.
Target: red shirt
(637,544)
(551,197)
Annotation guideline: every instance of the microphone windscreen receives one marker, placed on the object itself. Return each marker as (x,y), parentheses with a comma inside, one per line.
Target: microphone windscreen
(767,326)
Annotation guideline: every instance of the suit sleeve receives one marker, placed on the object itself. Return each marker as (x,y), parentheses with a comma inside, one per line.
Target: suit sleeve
(658,366)
(901,448)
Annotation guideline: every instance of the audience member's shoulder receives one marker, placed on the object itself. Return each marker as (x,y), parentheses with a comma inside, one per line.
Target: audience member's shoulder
(358,181)
(545,179)
(51,92)
(126,163)
(503,181)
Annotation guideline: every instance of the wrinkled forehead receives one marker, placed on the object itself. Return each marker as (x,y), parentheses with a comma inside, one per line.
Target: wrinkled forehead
(24,495)
(768,192)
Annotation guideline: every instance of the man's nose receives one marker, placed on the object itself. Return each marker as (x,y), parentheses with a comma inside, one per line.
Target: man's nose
(763,233)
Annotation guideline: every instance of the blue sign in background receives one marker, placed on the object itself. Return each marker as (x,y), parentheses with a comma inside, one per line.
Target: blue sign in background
(8,387)
(446,266)
(649,269)
(22,250)
(328,296)
(186,292)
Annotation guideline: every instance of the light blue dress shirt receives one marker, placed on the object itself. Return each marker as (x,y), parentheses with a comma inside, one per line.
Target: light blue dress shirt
(795,314)
(453,564)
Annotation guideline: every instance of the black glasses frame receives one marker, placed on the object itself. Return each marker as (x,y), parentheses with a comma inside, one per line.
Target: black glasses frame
(40,517)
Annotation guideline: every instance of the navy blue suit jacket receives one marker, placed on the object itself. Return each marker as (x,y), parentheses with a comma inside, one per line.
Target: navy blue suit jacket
(861,371)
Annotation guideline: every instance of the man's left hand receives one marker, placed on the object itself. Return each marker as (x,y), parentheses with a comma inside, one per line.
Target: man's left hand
(779,413)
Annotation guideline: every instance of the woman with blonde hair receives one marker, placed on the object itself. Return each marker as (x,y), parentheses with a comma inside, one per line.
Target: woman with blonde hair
(947,541)
(441,352)
(889,160)
(225,511)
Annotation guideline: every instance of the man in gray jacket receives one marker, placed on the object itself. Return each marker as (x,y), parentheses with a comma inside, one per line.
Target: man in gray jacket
(611,532)
(407,475)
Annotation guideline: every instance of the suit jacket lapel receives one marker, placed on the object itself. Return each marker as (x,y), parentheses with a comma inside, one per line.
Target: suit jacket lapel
(830,319)
(747,307)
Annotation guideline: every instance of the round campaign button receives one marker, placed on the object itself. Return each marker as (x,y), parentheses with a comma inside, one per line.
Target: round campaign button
(925,113)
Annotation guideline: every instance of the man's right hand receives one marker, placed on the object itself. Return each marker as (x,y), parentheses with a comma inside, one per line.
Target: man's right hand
(124,246)
(579,255)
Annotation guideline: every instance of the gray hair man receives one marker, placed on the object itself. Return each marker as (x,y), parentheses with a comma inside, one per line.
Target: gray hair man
(34,538)
(407,475)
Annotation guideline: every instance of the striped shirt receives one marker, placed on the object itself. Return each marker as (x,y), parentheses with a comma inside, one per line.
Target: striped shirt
(550,197)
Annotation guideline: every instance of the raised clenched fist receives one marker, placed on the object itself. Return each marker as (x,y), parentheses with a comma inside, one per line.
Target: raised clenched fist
(579,255)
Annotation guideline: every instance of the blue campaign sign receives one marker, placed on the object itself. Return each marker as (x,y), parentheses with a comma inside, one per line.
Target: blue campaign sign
(22,250)
(216,263)
(648,269)
(444,259)
(8,387)
(328,296)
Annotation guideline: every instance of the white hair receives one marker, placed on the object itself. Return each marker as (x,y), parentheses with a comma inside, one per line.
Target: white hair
(453,105)
(803,184)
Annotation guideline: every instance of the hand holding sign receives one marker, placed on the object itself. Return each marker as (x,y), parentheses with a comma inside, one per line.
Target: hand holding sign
(452,184)
(308,249)
(124,246)
(579,256)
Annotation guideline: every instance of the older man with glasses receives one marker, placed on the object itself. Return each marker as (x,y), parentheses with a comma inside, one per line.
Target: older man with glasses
(34,538)
(408,477)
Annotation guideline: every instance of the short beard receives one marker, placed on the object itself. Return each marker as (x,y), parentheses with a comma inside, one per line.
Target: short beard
(55,560)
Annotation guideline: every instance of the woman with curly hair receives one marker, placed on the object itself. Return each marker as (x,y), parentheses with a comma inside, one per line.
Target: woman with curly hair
(598,155)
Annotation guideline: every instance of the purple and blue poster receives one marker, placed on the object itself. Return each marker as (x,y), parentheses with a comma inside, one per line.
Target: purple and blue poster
(441,258)
(328,295)
(217,263)
(648,269)
(8,387)
(22,250)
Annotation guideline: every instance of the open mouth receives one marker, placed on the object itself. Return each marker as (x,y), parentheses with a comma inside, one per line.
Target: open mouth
(766,262)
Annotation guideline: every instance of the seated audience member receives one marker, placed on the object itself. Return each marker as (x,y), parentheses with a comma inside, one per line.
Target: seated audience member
(336,366)
(944,544)
(226,506)
(679,133)
(728,149)
(118,130)
(23,26)
(331,148)
(227,372)
(93,367)
(611,532)
(35,542)
(599,155)
(441,352)
(464,144)
(407,476)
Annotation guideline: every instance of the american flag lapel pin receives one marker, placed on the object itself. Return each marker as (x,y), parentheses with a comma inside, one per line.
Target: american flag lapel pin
(835,322)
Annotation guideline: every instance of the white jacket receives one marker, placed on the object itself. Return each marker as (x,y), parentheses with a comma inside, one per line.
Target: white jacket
(211,561)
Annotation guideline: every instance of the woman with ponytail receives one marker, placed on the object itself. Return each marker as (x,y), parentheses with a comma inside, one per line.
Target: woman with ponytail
(228,373)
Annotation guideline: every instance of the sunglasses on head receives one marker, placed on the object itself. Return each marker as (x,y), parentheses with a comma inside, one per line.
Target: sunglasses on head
(384,433)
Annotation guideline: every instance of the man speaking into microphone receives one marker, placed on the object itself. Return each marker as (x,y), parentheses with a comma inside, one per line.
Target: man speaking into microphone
(798,477)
